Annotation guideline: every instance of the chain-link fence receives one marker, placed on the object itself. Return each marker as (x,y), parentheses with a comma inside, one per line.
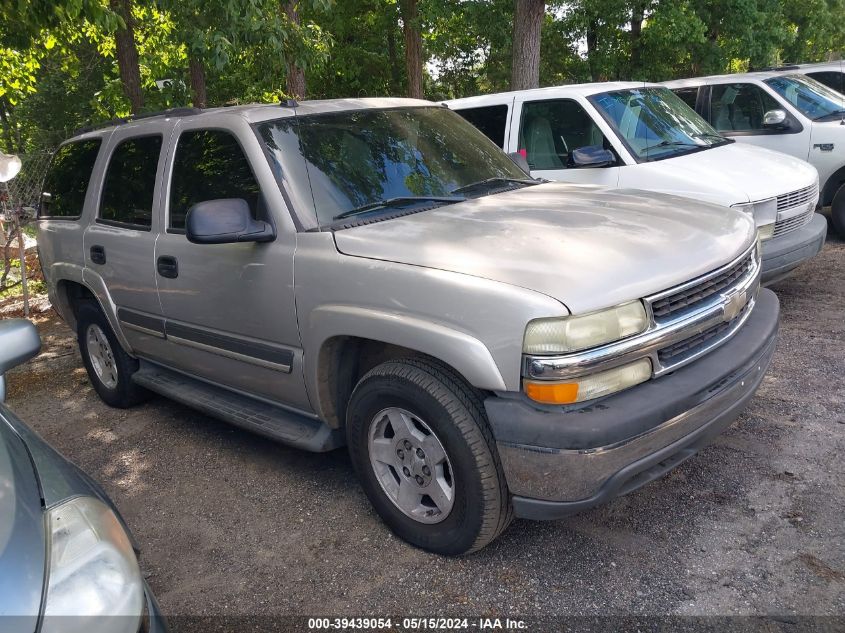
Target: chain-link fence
(18,200)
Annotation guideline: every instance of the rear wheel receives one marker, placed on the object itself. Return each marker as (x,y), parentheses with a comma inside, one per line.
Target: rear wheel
(426,458)
(837,212)
(109,368)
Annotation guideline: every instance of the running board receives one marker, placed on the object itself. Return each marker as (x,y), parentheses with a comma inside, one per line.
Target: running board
(254,415)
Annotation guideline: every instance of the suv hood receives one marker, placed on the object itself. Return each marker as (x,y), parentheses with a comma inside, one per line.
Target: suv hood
(587,247)
(22,545)
(727,175)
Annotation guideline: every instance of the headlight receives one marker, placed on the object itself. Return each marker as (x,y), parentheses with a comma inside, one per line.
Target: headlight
(764,212)
(94,575)
(591,386)
(574,333)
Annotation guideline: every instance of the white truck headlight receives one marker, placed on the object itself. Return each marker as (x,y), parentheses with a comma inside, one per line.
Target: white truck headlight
(571,334)
(765,214)
(94,575)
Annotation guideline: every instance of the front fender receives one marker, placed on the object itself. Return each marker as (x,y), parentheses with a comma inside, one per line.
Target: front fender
(469,356)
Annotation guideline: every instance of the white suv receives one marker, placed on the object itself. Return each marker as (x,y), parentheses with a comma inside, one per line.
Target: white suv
(782,110)
(635,135)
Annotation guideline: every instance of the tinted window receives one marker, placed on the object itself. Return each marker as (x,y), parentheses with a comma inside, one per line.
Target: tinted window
(130,182)
(344,161)
(491,120)
(67,179)
(831,78)
(209,165)
(815,101)
(550,130)
(739,107)
(687,95)
(655,123)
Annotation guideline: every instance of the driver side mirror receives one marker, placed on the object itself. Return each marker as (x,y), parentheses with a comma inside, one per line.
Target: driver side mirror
(776,120)
(19,341)
(591,156)
(225,221)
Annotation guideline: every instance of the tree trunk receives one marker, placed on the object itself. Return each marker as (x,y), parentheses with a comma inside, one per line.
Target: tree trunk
(637,18)
(197,72)
(527,25)
(395,72)
(127,55)
(592,46)
(295,75)
(413,47)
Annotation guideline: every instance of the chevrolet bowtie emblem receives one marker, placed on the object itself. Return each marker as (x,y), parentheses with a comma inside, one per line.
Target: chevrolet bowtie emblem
(733,305)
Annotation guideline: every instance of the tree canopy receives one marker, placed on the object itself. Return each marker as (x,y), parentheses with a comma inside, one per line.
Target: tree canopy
(67,63)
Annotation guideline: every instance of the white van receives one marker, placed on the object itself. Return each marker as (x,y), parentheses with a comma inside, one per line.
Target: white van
(635,135)
(782,110)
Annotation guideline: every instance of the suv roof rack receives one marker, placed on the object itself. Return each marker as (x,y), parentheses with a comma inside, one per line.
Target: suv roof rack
(171,112)
(784,67)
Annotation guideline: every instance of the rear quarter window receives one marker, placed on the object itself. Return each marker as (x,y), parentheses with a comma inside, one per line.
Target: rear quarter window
(66,183)
(492,120)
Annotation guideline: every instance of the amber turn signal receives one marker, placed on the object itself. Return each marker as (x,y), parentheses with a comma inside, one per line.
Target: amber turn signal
(552,392)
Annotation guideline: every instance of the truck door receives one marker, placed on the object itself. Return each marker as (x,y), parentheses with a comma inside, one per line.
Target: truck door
(229,308)
(547,133)
(119,243)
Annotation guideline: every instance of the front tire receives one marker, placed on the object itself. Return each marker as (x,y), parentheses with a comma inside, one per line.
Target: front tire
(837,212)
(109,368)
(426,458)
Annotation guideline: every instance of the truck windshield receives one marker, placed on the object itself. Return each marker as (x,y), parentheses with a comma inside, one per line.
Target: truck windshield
(813,99)
(383,161)
(655,124)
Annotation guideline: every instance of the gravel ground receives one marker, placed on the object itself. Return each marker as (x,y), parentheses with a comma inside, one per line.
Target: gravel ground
(233,524)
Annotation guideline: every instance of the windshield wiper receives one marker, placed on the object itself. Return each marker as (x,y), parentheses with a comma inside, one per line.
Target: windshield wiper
(672,144)
(396,202)
(717,137)
(495,180)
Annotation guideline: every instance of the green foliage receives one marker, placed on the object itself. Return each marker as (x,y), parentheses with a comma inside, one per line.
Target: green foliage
(58,69)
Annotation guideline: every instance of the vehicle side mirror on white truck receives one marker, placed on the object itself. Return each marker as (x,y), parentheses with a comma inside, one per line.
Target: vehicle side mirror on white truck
(776,119)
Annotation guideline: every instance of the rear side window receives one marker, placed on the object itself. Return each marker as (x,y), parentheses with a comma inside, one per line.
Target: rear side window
(209,165)
(492,120)
(127,198)
(687,95)
(67,180)
(830,78)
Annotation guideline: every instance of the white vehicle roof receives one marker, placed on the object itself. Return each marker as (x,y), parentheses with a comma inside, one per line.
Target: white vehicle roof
(720,79)
(572,90)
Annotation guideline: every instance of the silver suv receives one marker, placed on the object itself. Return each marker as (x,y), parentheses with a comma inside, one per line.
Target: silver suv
(376,273)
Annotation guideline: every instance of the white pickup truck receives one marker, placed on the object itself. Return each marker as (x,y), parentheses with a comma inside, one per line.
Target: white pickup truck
(635,135)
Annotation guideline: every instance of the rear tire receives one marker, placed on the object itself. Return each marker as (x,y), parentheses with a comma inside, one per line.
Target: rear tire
(415,423)
(109,368)
(837,212)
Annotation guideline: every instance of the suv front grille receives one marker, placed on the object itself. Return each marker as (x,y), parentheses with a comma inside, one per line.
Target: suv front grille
(693,345)
(797,198)
(806,197)
(700,293)
(795,222)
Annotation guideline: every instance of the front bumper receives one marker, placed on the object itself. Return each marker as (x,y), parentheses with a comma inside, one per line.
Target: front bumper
(782,254)
(561,460)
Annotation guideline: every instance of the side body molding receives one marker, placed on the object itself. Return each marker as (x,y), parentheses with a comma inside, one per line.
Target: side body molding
(467,355)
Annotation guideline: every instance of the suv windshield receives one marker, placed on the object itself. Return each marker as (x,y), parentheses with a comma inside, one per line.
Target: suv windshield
(343,164)
(813,99)
(655,123)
